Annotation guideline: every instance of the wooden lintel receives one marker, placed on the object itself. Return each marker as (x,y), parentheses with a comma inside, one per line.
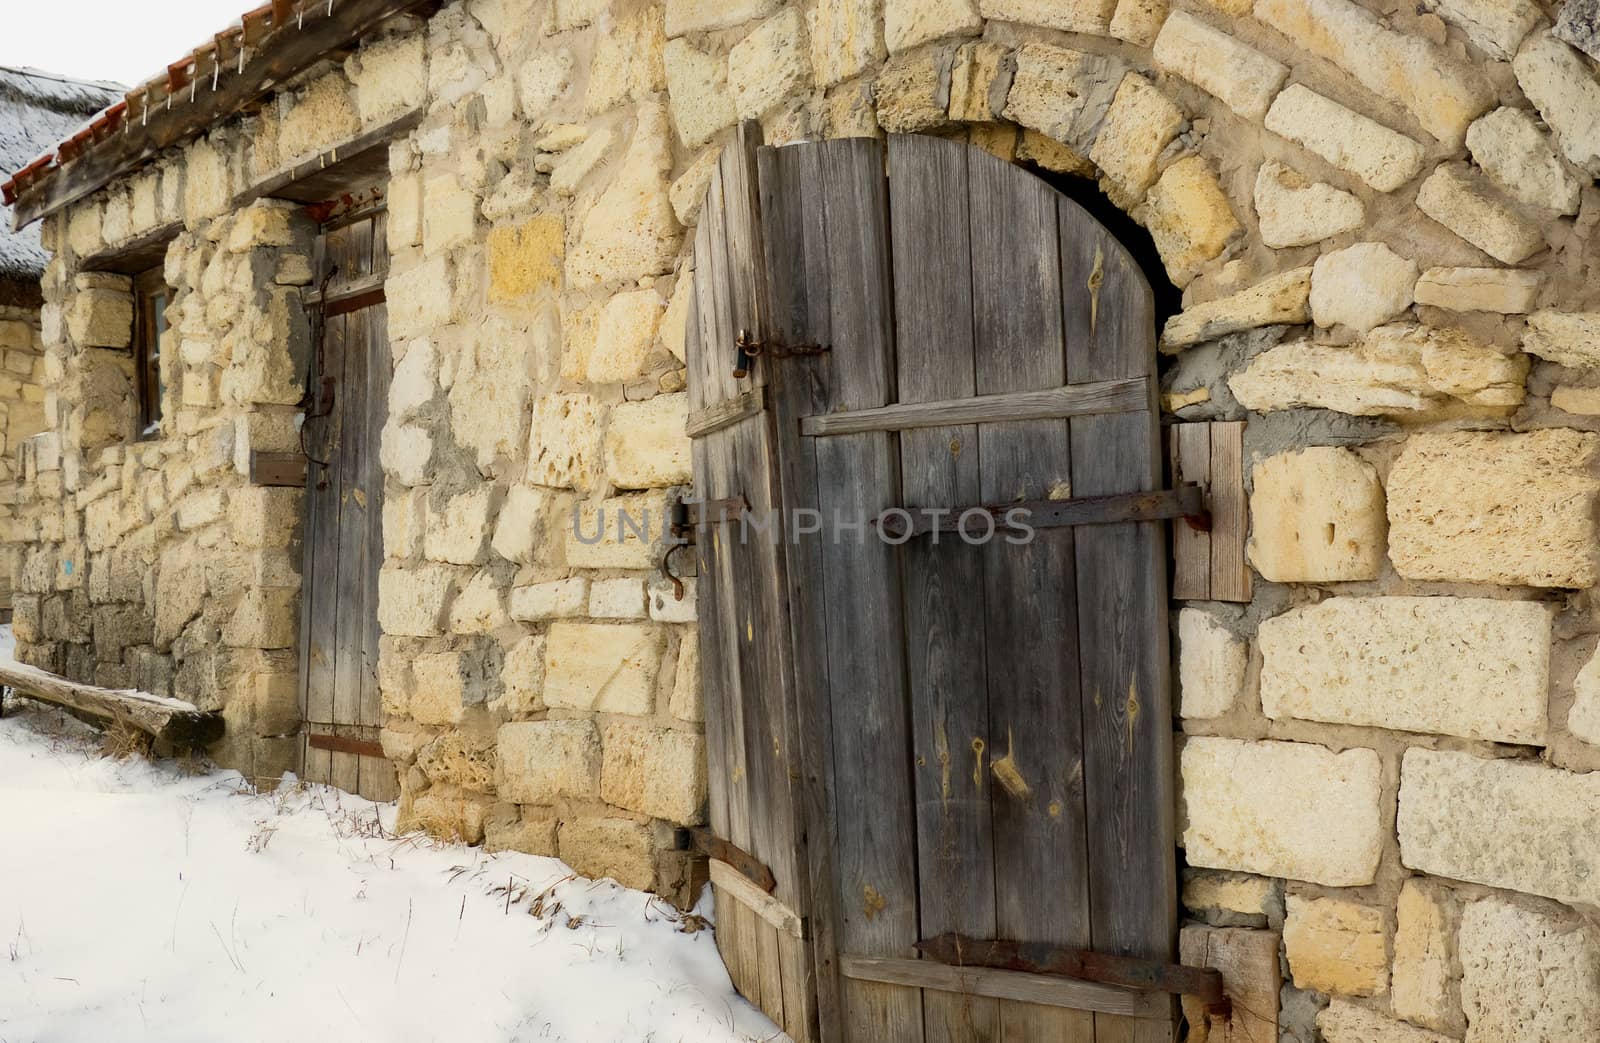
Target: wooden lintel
(1045,989)
(142,252)
(282,56)
(344,744)
(345,167)
(1104,396)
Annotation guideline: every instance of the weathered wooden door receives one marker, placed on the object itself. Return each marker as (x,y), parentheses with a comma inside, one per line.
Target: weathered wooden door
(921,730)
(340,703)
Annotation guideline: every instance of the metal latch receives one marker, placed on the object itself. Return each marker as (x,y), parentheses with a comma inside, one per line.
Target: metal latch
(748,348)
(686,517)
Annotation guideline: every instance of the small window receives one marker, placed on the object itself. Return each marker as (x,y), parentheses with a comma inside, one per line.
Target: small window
(150,295)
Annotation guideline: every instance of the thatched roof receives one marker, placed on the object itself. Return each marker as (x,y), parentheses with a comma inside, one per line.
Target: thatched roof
(37,110)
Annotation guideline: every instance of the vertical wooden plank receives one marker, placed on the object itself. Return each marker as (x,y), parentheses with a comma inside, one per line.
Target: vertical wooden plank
(858,478)
(1035,739)
(1231,579)
(308,556)
(378,778)
(944,602)
(798,312)
(1191,549)
(351,585)
(1122,619)
(323,487)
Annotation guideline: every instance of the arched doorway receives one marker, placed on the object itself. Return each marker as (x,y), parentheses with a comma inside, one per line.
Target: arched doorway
(931,732)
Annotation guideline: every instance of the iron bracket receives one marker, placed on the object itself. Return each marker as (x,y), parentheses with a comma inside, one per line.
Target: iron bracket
(748,348)
(702,841)
(686,517)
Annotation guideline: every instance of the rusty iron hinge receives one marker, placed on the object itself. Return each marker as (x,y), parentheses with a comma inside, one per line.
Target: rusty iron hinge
(1186,501)
(1132,972)
(702,841)
(686,517)
(747,348)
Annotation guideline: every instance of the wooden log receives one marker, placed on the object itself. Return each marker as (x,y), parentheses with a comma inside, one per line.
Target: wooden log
(174,721)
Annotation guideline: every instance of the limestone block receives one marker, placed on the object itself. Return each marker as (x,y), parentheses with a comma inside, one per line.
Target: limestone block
(445,812)
(1237,74)
(1580,401)
(1569,339)
(1583,720)
(654,771)
(1508,291)
(911,23)
(628,60)
(449,215)
(688,192)
(1138,21)
(206,186)
(538,762)
(631,232)
(85,222)
(559,599)
(526,258)
(459,760)
(694,16)
(1344,1022)
(318,118)
(420,297)
(1442,92)
(617,599)
(674,327)
(1139,125)
(542,80)
(1472,667)
(1495,27)
(1422,986)
(1399,370)
(101,318)
(1528,974)
(1294,211)
(645,444)
(1073,16)
(666,606)
(522,678)
(1382,158)
(1229,892)
(1521,160)
(624,532)
(259,516)
(1564,89)
(412,602)
(1487,507)
(390,77)
(602,668)
(626,333)
(565,441)
(525,523)
(445,684)
(1361,286)
(1063,93)
(1211,664)
(686,704)
(480,607)
(980,78)
(1316,517)
(1282,299)
(697,84)
(609,847)
(264,223)
(1578,24)
(405,451)
(771,64)
(912,90)
(1050,154)
(1335,946)
(1188,216)
(569,172)
(846,39)
(1511,824)
(1456,199)
(415,380)
(533,833)
(489,395)
(455,532)
(1283,809)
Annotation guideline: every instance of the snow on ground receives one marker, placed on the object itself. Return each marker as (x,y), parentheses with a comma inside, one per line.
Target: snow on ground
(141,902)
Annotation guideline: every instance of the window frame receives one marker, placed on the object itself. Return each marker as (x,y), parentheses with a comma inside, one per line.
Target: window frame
(151,295)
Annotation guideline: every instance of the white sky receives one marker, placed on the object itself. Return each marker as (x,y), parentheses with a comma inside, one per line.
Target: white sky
(127,42)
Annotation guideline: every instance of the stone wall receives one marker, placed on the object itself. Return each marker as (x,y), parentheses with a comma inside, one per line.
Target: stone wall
(1382,219)
(21,417)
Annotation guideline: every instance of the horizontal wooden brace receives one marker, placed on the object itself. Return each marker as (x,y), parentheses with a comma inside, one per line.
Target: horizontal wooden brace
(1105,396)
(344,744)
(277,469)
(1048,990)
(740,888)
(1186,501)
(723,415)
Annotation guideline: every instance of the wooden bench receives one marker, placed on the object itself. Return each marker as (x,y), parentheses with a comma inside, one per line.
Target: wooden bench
(183,725)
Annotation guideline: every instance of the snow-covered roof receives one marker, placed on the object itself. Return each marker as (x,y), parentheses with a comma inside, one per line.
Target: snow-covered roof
(37,110)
